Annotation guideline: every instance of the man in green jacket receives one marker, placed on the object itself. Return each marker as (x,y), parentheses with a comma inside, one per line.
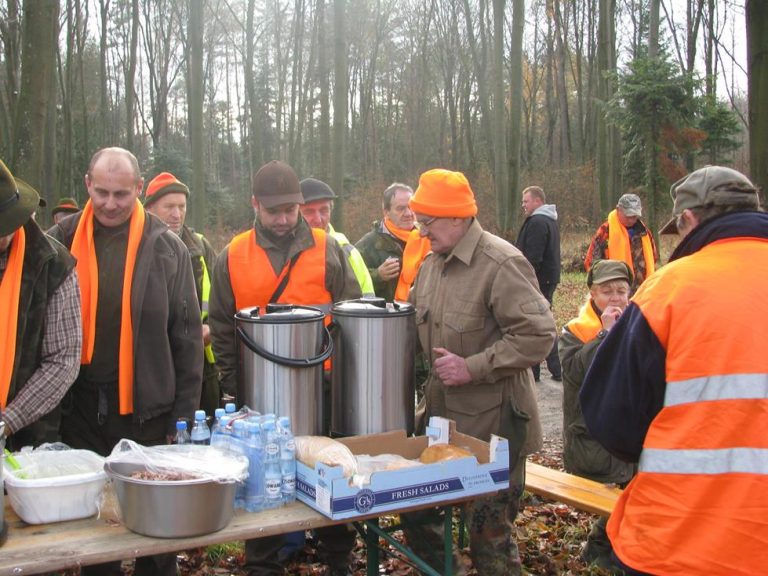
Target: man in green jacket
(382,247)
(166,197)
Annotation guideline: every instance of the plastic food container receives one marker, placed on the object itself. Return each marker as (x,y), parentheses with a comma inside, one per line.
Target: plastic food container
(53,486)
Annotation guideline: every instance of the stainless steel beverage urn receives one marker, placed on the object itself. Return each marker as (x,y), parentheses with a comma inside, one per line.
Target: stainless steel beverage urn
(373,367)
(281,352)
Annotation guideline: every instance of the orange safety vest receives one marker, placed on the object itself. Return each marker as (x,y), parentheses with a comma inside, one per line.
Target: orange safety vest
(416,249)
(254,280)
(699,503)
(619,246)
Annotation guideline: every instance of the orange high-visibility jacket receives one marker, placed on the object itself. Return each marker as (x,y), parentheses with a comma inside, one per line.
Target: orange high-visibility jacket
(699,503)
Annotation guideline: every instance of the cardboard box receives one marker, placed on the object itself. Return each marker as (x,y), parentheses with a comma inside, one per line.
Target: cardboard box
(326,490)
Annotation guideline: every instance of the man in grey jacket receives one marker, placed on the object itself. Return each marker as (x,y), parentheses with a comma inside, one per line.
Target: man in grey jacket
(142,359)
(539,241)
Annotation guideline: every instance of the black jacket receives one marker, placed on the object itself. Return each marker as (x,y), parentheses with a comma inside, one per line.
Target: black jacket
(539,241)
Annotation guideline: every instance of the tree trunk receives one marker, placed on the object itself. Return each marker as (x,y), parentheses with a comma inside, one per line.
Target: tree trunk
(323,71)
(608,141)
(653,29)
(515,106)
(195,90)
(38,57)
(340,72)
(130,76)
(757,73)
(501,176)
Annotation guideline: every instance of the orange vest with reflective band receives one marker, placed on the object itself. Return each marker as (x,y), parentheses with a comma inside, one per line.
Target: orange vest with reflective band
(699,503)
(416,249)
(254,280)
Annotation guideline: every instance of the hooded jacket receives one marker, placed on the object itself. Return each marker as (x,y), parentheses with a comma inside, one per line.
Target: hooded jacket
(539,241)
(167,347)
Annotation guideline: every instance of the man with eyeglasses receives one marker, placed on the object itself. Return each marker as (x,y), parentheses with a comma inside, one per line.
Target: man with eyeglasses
(483,323)
(384,247)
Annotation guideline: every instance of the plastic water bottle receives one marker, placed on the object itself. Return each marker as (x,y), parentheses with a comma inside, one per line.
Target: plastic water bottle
(238,443)
(201,434)
(272,475)
(182,435)
(221,433)
(287,461)
(254,486)
(230,408)
(217,414)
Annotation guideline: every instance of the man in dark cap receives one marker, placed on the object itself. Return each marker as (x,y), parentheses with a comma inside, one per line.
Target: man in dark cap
(64,208)
(680,385)
(317,210)
(166,197)
(40,333)
(624,236)
(281,259)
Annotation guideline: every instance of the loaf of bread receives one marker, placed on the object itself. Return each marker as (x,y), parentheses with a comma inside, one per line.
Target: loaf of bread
(313,449)
(442,452)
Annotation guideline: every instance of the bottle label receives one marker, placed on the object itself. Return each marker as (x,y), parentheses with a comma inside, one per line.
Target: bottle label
(272,449)
(290,445)
(272,487)
(289,484)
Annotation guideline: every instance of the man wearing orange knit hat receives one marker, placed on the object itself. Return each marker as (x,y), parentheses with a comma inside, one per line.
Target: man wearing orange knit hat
(486,324)
(166,197)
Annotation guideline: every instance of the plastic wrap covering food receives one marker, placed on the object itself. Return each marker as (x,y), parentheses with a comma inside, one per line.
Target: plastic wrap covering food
(368,465)
(53,461)
(175,463)
(313,449)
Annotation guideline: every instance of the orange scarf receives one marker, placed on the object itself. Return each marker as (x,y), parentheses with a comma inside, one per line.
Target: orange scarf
(398,233)
(619,247)
(416,249)
(587,324)
(10,293)
(84,249)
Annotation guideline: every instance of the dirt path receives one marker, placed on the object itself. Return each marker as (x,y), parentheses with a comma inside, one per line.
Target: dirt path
(550,398)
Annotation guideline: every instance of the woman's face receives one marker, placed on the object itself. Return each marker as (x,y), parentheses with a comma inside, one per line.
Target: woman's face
(611,293)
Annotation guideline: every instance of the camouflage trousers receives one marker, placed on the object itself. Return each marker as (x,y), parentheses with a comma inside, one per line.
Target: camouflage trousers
(490,523)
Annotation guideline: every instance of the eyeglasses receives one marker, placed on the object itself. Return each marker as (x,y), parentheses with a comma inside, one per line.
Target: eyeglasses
(426,223)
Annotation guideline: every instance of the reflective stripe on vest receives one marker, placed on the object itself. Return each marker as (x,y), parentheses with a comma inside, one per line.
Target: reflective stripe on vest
(723,461)
(730,387)
(254,280)
(205,295)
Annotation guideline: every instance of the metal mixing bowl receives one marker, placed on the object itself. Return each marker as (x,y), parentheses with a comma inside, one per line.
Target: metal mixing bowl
(171,509)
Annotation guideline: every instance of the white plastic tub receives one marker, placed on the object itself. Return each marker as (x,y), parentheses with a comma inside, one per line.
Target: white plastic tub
(71,492)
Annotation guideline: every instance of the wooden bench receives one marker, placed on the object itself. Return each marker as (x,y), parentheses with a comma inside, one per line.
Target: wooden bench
(573,490)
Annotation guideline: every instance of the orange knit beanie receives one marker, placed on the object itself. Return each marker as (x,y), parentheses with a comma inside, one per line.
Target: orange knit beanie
(162,184)
(444,194)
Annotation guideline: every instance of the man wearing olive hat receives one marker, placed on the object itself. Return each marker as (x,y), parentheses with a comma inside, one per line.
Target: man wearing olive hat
(317,209)
(40,334)
(624,236)
(64,208)
(166,197)
(483,323)
(280,259)
(680,385)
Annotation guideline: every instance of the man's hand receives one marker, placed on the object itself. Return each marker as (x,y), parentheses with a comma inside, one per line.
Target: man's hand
(206,335)
(389,269)
(450,368)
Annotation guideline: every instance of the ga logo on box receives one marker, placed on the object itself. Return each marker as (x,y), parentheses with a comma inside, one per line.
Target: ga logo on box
(364,500)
